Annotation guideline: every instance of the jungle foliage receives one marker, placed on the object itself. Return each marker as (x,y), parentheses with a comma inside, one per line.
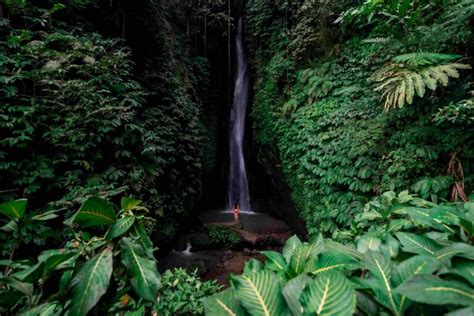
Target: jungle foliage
(104,263)
(354,98)
(409,256)
(78,118)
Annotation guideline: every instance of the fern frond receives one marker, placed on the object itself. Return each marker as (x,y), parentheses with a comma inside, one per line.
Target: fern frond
(377,40)
(410,88)
(413,73)
(424,59)
(419,84)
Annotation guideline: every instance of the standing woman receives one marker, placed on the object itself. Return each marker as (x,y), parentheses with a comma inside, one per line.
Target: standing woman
(236,212)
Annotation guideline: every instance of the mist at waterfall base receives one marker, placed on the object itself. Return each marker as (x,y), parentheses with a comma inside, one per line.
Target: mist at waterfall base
(238,191)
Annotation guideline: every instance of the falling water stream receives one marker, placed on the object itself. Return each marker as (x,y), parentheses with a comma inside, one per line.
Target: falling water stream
(238,191)
(256,230)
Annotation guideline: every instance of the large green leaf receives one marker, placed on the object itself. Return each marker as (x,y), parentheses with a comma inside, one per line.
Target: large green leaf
(368,243)
(253,266)
(315,247)
(95,212)
(91,282)
(381,267)
(140,232)
(142,270)
(222,304)
(367,305)
(430,289)
(121,227)
(289,248)
(301,256)
(458,249)
(337,247)
(416,265)
(45,309)
(275,261)
(330,260)
(422,264)
(465,269)
(23,287)
(14,209)
(467,311)
(260,293)
(31,274)
(418,244)
(293,290)
(57,262)
(329,294)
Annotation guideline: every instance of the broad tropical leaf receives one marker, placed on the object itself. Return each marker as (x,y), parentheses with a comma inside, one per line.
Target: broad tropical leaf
(23,287)
(367,305)
(223,304)
(56,262)
(332,245)
(380,267)
(275,261)
(456,250)
(95,212)
(422,264)
(31,274)
(121,227)
(430,289)
(293,290)
(142,270)
(468,311)
(139,232)
(260,293)
(465,269)
(14,209)
(418,244)
(253,266)
(368,243)
(302,255)
(329,294)
(45,309)
(330,261)
(91,282)
(289,248)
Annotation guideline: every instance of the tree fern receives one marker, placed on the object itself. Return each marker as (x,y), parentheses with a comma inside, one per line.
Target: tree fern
(410,74)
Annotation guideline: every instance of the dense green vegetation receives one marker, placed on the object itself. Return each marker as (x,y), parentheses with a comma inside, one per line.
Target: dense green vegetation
(325,70)
(409,254)
(367,107)
(76,121)
(106,263)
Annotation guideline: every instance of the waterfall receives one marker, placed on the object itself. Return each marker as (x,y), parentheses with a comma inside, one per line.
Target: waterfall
(238,191)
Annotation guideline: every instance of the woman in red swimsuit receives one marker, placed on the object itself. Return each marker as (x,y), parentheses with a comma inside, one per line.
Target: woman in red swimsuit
(236,212)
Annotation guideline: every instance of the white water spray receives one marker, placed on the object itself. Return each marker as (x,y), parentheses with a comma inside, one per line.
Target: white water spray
(187,251)
(238,191)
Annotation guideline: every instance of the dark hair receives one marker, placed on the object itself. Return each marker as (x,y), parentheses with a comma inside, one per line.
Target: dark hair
(236,205)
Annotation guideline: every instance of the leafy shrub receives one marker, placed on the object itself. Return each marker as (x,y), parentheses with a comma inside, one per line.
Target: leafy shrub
(223,236)
(181,293)
(401,271)
(105,264)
